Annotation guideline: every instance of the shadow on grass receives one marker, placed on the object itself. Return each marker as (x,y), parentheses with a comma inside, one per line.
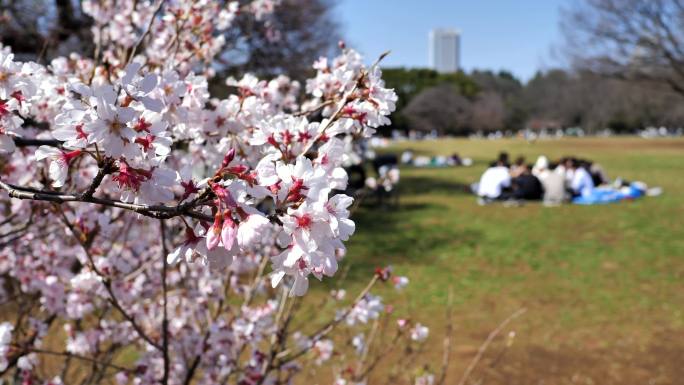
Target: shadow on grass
(411,234)
(424,185)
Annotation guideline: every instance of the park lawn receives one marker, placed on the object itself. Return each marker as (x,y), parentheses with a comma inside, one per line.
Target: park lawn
(603,285)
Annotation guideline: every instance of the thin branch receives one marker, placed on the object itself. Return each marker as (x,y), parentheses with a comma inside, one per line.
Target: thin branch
(363,373)
(107,283)
(79,357)
(105,169)
(327,328)
(131,55)
(486,344)
(278,338)
(152,211)
(367,347)
(314,109)
(14,359)
(25,142)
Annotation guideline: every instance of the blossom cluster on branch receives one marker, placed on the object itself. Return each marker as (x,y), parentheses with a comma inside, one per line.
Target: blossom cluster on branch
(138,210)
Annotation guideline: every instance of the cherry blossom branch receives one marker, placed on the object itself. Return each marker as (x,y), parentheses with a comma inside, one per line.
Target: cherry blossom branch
(131,55)
(105,169)
(107,283)
(251,290)
(327,328)
(486,344)
(346,99)
(279,338)
(142,124)
(26,142)
(198,358)
(15,233)
(361,374)
(315,109)
(79,357)
(152,211)
(194,365)
(14,359)
(8,219)
(19,229)
(367,348)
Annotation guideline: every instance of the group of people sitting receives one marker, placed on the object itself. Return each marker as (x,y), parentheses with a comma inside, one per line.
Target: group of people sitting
(551,182)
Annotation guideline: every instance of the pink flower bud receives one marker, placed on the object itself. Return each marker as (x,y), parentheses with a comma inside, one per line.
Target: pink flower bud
(228,158)
(228,232)
(214,232)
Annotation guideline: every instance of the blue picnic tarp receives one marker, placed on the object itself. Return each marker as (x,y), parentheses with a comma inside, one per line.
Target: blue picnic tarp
(603,195)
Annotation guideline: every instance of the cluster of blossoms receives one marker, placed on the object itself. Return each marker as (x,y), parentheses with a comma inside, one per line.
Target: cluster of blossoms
(137,210)
(388,178)
(16,86)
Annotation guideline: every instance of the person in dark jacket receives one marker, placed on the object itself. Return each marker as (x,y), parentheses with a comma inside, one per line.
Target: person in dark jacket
(526,186)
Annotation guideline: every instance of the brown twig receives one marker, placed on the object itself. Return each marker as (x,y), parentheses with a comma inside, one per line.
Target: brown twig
(487,342)
(107,283)
(26,142)
(327,328)
(152,211)
(315,109)
(105,169)
(79,357)
(131,55)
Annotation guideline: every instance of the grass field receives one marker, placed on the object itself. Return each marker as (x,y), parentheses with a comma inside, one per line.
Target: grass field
(603,285)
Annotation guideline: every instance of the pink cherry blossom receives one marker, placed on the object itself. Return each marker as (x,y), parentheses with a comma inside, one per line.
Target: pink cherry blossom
(184,222)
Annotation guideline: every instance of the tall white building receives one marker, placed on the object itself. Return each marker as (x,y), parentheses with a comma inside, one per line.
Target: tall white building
(445,50)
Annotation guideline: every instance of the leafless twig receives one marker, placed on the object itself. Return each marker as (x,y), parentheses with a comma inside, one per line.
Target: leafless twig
(487,342)
(152,211)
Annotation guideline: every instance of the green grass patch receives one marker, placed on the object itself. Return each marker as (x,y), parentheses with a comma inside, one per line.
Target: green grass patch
(596,271)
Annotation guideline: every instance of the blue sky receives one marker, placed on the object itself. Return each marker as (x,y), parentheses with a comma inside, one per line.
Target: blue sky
(518,36)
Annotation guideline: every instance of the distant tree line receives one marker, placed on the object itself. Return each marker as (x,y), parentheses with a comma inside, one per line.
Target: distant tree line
(486,101)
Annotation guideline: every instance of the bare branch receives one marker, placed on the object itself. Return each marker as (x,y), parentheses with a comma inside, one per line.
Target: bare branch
(25,142)
(327,328)
(79,357)
(487,342)
(107,283)
(152,211)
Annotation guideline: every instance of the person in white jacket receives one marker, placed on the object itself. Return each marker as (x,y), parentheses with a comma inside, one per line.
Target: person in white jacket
(494,181)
